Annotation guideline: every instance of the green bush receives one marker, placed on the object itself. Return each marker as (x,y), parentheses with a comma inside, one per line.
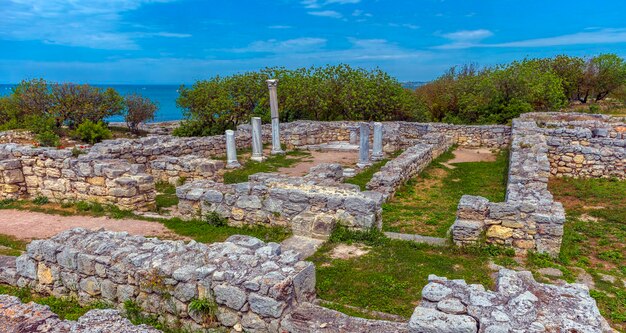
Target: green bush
(41,200)
(317,93)
(216,220)
(91,132)
(48,139)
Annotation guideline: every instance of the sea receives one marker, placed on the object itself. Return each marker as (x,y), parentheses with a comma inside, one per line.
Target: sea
(163,95)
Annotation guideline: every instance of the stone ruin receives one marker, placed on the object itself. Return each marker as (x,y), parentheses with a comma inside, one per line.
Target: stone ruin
(258,288)
(123,173)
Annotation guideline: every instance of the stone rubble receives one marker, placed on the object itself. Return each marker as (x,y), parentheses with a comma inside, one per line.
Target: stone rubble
(519,304)
(16,317)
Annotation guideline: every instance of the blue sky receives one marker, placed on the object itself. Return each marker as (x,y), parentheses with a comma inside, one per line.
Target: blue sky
(179,41)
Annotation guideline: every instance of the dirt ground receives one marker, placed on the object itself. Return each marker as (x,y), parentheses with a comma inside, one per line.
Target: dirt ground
(347,159)
(32,225)
(462,155)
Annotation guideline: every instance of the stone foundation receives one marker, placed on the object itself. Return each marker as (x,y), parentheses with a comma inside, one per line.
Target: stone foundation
(253,283)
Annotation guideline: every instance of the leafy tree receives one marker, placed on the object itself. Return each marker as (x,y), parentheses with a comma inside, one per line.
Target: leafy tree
(319,93)
(29,98)
(607,73)
(139,110)
(76,103)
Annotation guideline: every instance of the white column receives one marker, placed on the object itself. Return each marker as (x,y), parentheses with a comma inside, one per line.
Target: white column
(231,150)
(272,85)
(257,140)
(377,149)
(364,146)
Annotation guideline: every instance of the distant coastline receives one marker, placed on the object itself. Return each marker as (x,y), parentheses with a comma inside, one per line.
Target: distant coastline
(164,95)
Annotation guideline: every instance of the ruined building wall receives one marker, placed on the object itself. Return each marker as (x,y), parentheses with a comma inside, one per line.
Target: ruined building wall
(529,219)
(253,283)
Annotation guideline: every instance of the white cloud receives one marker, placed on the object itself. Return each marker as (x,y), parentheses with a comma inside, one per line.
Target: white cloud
(465,38)
(604,36)
(327,13)
(312,4)
(93,24)
(295,45)
(472,39)
(279,27)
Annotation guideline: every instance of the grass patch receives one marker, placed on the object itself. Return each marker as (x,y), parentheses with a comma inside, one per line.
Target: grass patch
(594,239)
(166,195)
(205,232)
(271,164)
(66,308)
(364,177)
(427,204)
(391,276)
(11,246)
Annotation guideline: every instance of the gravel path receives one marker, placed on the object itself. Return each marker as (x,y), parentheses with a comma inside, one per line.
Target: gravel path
(32,225)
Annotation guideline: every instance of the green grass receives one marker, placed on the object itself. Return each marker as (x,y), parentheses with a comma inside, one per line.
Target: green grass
(594,240)
(364,177)
(391,276)
(12,246)
(203,232)
(65,308)
(271,164)
(166,195)
(427,204)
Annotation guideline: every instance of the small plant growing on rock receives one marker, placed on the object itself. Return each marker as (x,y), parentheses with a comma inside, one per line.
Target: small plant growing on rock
(77,152)
(206,308)
(215,219)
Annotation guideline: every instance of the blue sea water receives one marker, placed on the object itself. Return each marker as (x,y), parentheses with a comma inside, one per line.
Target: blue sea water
(163,95)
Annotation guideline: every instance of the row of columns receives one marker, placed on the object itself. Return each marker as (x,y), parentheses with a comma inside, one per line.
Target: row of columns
(257,134)
(257,137)
(364,144)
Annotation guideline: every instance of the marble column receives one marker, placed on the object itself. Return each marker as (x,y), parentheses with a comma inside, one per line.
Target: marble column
(231,150)
(364,146)
(257,140)
(377,149)
(354,138)
(276,149)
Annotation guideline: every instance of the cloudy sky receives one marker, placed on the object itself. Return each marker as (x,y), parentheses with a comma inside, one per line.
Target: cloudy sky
(179,41)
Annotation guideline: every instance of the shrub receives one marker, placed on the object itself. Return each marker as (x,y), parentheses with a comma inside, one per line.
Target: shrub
(204,307)
(139,110)
(91,132)
(48,139)
(216,220)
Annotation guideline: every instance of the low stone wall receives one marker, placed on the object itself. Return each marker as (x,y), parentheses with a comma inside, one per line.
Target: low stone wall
(529,219)
(191,167)
(274,199)
(519,304)
(59,176)
(254,284)
(410,163)
(16,317)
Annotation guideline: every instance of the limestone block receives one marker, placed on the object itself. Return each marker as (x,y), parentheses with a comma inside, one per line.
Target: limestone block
(500,232)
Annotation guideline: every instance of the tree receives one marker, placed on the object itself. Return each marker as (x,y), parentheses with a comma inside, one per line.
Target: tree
(607,73)
(30,98)
(76,103)
(139,110)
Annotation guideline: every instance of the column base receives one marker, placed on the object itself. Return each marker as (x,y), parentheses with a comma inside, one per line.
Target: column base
(233,165)
(378,157)
(278,152)
(363,165)
(258,158)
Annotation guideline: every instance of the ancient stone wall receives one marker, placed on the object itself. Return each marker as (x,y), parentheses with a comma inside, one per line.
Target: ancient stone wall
(274,199)
(529,219)
(58,175)
(16,317)
(254,284)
